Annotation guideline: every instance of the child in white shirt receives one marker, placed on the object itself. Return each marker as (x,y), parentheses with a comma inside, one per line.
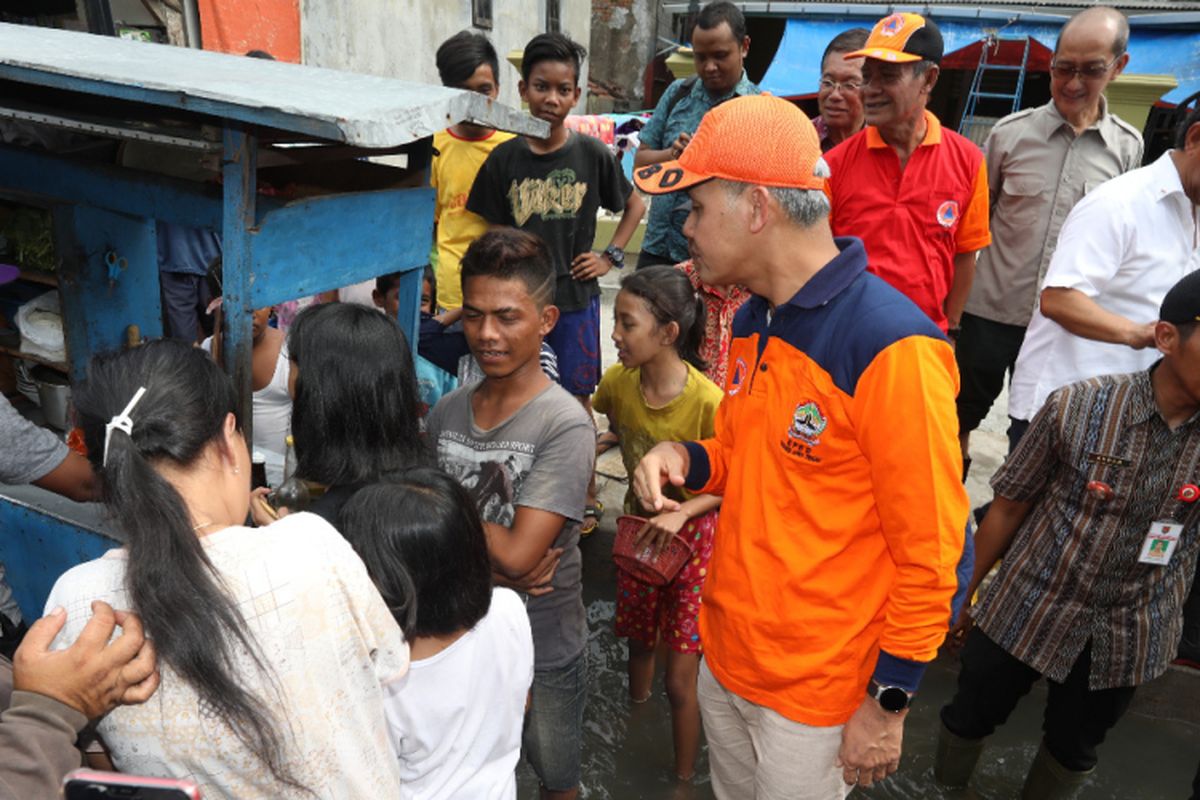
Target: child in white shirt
(455,719)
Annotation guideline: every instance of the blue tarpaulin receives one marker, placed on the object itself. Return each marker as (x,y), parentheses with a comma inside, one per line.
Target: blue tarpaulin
(796,68)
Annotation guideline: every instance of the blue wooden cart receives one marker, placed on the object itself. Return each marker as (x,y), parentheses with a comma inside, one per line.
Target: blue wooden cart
(316,179)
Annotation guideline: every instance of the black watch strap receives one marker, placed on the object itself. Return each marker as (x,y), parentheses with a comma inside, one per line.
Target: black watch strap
(616,255)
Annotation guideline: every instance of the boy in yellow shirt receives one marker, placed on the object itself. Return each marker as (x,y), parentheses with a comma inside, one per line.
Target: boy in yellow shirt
(465,61)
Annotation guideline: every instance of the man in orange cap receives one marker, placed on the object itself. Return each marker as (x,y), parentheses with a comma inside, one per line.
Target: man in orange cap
(842,520)
(916,194)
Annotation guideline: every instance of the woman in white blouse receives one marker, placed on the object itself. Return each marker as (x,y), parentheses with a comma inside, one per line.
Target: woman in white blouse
(273,645)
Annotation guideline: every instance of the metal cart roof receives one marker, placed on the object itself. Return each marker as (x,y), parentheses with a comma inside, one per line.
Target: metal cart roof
(360,110)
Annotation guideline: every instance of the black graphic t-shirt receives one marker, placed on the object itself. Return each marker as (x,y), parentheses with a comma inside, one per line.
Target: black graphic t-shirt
(555,195)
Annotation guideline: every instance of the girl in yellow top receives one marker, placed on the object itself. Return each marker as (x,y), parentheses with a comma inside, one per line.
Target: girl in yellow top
(659,393)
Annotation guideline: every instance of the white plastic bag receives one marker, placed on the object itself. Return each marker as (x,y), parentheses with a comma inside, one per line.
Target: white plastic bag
(41,325)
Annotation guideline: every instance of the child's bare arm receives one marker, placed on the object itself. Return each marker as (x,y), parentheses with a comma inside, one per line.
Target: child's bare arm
(589,264)
(635,209)
(700,504)
(659,529)
(517,550)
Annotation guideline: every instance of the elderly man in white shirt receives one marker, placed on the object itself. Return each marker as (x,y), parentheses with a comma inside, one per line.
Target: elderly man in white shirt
(1122,247)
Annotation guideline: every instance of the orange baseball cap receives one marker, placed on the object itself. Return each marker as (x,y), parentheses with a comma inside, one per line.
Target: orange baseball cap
(901,38)
(756,139)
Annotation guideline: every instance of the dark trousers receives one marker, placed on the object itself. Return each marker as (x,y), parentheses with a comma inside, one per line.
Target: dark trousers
(1016,430)
(184,300)
(652,259)
(1189,645)
(991,682)
(985,351)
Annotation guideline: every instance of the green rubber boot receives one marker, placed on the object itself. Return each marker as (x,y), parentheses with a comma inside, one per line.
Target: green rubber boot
(1050,780)
(956,758)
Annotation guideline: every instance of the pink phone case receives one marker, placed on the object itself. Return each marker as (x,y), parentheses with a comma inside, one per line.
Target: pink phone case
(162,788)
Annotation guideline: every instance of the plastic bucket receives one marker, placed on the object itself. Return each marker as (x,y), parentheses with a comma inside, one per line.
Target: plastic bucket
(641,563)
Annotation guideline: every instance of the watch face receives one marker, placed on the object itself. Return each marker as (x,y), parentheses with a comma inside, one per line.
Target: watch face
(893,699)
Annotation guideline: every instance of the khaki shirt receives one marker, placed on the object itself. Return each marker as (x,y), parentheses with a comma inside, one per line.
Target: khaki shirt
(1038,169)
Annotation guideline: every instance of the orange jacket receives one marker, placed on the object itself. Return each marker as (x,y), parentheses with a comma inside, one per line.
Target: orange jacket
(836,452)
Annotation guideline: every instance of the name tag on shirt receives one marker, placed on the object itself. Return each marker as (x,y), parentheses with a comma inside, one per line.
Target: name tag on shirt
(1107,460)
(1160,543)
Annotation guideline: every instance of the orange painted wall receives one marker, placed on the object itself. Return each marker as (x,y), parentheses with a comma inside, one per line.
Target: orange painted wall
(235,26)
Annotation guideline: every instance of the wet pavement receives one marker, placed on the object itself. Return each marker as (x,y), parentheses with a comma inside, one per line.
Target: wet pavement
(1152,754)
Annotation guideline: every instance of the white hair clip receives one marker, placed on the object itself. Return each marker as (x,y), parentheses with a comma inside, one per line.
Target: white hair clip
(122,422)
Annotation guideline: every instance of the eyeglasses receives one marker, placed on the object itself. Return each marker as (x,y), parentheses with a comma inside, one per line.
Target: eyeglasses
(1088,72)
(846,86)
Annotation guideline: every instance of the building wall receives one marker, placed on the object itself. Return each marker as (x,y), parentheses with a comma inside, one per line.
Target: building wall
(399,38)
(622,45)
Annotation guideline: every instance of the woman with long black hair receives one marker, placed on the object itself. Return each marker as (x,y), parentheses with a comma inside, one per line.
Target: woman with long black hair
(273,643)
(354,400)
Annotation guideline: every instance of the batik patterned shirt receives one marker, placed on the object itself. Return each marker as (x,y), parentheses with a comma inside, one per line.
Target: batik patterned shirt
(1071,574)
(682,106)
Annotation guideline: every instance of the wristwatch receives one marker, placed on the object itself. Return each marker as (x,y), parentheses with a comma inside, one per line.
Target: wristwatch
(615,255)
(890,698)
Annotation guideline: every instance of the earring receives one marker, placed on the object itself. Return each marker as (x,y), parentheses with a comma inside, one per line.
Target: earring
(237,470)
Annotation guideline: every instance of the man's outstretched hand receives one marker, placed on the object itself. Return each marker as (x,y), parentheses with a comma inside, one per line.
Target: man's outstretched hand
(666,463)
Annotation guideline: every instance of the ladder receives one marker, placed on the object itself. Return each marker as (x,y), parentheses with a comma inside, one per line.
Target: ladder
(974,126)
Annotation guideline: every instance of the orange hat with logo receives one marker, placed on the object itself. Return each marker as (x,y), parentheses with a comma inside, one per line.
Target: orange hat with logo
(756,139)
(901,38)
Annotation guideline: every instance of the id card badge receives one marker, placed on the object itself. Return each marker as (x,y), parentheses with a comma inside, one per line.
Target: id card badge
(1160,543)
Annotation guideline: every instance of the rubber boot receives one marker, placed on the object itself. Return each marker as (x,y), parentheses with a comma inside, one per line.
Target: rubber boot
(956,758)
(1050,780)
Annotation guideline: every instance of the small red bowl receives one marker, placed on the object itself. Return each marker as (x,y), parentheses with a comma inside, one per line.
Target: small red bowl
(642,563)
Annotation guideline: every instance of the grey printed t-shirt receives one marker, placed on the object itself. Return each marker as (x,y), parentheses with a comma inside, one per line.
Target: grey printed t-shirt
(27,452)
(540,457)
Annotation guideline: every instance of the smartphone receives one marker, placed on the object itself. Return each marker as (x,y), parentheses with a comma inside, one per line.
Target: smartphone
(89,784)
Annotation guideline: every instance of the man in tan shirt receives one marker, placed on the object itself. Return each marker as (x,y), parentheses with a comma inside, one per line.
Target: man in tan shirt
(1040,162)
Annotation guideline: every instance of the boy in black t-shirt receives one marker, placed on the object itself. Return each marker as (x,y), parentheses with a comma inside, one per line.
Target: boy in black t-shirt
(553,187)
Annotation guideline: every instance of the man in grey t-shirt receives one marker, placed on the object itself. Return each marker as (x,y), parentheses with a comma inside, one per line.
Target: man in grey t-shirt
(537,458)
(29,454)
(525,448)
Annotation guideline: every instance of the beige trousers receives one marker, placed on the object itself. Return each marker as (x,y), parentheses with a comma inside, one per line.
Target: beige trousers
(754,753)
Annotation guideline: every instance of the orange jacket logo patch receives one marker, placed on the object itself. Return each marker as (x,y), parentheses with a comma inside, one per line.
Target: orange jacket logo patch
(808,423)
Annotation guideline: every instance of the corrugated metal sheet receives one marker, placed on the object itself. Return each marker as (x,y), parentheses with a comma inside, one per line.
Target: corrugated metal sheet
(361,110)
